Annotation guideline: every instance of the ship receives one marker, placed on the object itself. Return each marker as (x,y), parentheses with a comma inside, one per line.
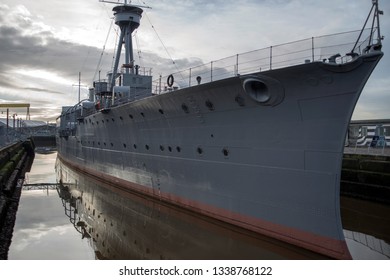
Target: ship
(254,140)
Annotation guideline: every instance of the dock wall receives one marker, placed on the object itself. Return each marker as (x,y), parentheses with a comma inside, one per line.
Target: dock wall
(15,161)
(366,177)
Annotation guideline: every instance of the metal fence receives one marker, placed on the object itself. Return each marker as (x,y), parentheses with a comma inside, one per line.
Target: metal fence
(334,48)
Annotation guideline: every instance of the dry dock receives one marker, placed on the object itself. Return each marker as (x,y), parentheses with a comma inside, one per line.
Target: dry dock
(366,174)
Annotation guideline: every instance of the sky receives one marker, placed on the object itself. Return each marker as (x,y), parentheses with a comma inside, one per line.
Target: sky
(45,44)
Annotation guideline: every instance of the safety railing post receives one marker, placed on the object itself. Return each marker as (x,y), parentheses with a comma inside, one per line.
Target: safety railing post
(211,72)
(236,65)
(189,78)
(312,49)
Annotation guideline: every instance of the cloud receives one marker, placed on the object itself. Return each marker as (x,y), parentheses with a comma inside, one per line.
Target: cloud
(42,50)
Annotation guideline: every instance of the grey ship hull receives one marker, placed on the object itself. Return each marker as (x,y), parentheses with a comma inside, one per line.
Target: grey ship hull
(273,168)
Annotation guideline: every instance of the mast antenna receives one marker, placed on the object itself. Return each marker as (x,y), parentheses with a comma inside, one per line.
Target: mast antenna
(125,2)
(375,28)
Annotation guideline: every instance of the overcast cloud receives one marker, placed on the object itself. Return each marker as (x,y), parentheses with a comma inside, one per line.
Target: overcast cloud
(45,44)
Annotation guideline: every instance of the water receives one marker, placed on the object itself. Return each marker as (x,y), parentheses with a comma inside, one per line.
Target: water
(42,230)
(90,220)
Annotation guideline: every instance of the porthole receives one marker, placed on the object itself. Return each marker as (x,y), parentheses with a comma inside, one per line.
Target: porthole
(225,152)
(124,145)
(121,118)
(147,147)
(162,148)
(209,105)
(161,111)
(170,148)
(199,150)
(143,115)
(131,116)
(185,108)
(135,146)
(178,149)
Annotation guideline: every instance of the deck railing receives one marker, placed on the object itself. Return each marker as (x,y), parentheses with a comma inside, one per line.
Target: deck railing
(334,48)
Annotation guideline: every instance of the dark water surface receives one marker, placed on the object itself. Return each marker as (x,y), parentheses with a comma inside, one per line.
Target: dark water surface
(88,220)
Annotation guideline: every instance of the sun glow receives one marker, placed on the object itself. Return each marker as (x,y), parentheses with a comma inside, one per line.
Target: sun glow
(45,75)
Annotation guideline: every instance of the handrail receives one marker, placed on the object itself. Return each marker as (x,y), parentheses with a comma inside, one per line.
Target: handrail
(307,50)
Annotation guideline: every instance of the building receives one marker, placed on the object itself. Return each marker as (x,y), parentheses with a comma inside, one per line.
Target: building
(365,133)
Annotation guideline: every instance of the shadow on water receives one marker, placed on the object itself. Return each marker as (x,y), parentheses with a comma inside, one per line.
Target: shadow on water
(112,223)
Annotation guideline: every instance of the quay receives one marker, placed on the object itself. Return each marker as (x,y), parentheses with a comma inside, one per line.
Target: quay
(15,160)
(366,173)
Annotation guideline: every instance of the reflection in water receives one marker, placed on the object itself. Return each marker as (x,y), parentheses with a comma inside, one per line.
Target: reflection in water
(366,228)
(123,225)
(104,222)
(43,232)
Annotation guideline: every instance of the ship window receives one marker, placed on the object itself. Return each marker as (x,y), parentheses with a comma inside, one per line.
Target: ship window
(161,111)
(170,148)
(131,116)
(124,145)
(199,150)
(142,114)
(121,118)
(112,144)
(162,148)
(178,149)
(135,146)
(113,119)
(147,147)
